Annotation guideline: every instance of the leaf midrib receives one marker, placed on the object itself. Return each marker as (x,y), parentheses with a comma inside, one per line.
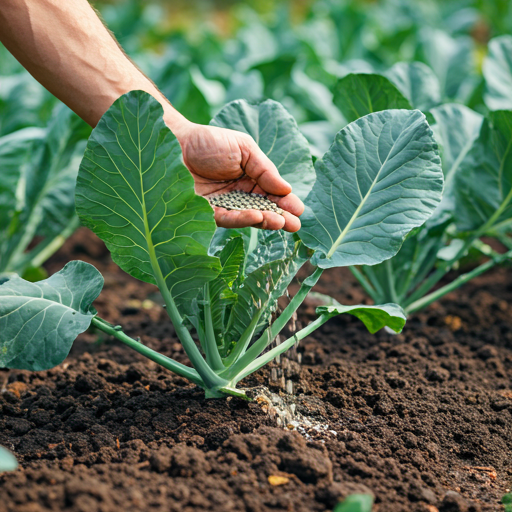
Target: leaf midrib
(359,208)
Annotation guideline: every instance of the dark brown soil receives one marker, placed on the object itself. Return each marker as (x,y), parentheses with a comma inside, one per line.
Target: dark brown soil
(423,420)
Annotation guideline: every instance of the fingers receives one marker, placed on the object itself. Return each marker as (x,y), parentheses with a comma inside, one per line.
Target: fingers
(290,203)
(237,219)
(260,168)
(256,219)
(292,223)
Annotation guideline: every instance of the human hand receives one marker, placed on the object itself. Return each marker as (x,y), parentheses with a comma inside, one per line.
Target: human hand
(221,160)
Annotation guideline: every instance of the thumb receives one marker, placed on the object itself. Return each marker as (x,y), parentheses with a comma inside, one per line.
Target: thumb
(260,168)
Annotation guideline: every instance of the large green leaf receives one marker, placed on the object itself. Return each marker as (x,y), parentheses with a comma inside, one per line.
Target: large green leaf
(456,129)
(135,193)
(42,199)
(8,461)
(451,58)
(16,151)
(497,70)
(381,178)
(276,133)
(483,185)
(373,317)
(357,95)
(40,321)
(417,82)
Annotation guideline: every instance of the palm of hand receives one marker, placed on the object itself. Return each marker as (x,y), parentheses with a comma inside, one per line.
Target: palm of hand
(221,160)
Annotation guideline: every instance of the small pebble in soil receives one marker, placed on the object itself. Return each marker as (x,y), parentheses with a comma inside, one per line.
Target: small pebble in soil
(240,200)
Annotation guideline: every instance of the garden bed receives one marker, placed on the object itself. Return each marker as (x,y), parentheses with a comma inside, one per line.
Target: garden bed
(423,420)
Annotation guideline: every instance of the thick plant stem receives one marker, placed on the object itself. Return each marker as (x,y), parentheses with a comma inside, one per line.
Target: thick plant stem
(243,342)
(210,342)
(368,288)
(209,377)
(280,349)
(271,332)
(432,280)
(380,294)
(166,362)
(41,252)
(391,282)
(456,283)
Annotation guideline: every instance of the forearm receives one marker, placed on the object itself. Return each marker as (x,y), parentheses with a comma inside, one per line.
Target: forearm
(66,47)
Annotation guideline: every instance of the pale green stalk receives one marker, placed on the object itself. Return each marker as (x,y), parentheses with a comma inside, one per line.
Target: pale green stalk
(280,349)
(243,342)
(210,341)
(166,362)
(368,288)
(456,283)
(271,332)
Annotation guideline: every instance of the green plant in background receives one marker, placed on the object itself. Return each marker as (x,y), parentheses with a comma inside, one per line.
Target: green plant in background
(419,57)
(477,199)
(507,502)
(380,179)
(37,211)
(355,503)
(8,461)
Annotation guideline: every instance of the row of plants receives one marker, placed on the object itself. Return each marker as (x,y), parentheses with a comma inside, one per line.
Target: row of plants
(380,179)
(362,156)
(316,78)
(477,197)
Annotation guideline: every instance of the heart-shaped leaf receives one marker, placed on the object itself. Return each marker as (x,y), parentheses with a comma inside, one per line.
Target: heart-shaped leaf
(381,178)
(135,193)
(357,95)
(39,321)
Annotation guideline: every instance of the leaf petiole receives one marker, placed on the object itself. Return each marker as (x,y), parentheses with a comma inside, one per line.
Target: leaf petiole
(210,342)
(166,362)
(271,332)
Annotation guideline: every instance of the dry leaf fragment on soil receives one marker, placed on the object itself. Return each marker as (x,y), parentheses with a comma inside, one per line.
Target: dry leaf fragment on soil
(17,388)
(490,472)
(453,322)
(278,480)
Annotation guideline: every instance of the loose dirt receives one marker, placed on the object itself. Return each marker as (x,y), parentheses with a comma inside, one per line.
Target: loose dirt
(423,420)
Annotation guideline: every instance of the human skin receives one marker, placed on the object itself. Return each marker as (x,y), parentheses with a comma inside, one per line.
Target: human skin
(66,47)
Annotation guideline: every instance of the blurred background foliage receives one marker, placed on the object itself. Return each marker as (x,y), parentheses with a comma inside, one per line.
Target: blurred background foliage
(204,53)
(313,56)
